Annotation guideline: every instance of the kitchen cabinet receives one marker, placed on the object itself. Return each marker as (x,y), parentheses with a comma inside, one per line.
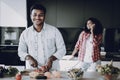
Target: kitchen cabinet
(9,56)
(70,13)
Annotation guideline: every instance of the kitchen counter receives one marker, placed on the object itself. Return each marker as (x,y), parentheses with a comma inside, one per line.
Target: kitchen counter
(66,64)
(86,76)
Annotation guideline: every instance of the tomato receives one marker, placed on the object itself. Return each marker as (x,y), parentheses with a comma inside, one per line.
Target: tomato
(38,70)
(18,76)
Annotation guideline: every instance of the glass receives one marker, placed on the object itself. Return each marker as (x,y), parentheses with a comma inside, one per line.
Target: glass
(10,35)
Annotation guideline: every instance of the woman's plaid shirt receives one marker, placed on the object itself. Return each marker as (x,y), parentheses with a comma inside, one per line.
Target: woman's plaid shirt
(80,45)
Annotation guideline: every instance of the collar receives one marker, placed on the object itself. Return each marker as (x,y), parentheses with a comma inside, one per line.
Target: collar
(44,27)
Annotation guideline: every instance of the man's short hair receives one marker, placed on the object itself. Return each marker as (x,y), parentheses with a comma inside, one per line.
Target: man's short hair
(39,7)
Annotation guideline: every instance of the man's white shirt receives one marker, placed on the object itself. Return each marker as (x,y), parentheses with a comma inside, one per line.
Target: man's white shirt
(41,45)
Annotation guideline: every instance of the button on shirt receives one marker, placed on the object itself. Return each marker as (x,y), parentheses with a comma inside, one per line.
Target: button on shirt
(39,49)
(41,45)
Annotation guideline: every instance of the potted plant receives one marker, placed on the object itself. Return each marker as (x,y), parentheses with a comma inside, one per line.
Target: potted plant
(108,71)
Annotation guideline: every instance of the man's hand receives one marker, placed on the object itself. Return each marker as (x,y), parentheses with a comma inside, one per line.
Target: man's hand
(33,62)
(50,62)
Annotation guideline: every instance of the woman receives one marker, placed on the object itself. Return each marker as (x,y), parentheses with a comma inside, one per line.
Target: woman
(88,45)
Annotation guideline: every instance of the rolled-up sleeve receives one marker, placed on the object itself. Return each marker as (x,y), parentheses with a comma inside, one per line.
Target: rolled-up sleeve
(97,40)
(60,45)
(79,41)
(22,48)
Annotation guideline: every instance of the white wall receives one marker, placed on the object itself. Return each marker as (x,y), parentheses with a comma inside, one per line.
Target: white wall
(13,13)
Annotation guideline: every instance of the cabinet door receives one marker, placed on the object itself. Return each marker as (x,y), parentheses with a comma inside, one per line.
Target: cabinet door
(70,13)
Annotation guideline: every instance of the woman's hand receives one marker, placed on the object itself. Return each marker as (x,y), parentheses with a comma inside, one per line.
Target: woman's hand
(92,27)
(71,57)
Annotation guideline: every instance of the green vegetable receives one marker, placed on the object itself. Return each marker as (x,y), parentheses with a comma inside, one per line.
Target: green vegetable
(12,71)
(108,69)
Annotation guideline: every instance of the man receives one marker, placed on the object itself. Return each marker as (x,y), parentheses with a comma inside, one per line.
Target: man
(41,43)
